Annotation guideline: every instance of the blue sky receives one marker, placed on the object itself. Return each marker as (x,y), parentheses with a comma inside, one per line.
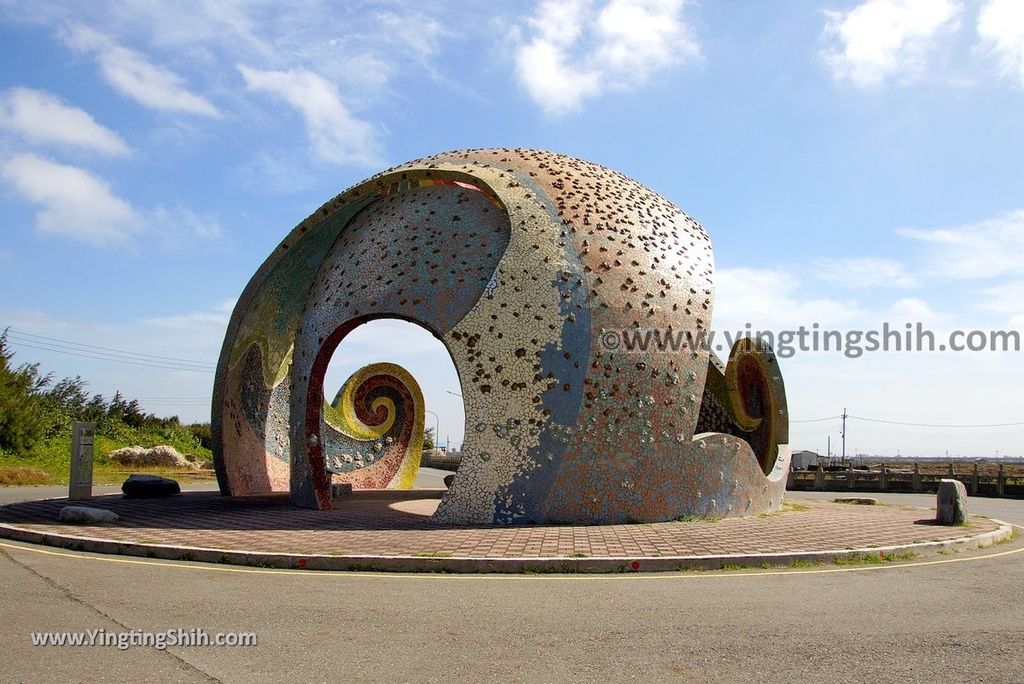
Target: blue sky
(854,163)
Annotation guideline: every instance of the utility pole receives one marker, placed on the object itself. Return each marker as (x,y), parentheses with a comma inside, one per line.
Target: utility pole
(843,433)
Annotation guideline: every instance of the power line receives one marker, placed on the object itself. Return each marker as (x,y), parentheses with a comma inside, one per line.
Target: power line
(106,355)
(115,360)
(105,350)
(899,422)
(934,425)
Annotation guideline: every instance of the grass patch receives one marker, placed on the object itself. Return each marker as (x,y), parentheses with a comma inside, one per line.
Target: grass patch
(433,554)
(20,476)
(874,558)
(804,563)
(695,518)
(1013,537)
(787,507)
(52,457)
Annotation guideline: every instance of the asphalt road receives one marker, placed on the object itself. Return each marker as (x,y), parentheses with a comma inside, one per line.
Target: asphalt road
(956,619)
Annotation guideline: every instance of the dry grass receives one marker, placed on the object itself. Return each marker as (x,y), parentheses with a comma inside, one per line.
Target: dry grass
(19,476)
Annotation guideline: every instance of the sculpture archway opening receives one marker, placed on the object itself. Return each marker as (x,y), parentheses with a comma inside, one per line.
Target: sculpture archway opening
(422,355)
(371,434)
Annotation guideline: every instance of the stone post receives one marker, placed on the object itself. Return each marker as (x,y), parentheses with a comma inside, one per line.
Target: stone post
(916,483)
(1001,482)
(80,481)
(883,479)
(951,503)
(974,480)
(849,476)
(819,478)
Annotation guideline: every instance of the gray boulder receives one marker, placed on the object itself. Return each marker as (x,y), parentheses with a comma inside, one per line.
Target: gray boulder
(149,487)
(86,515)
(951,503)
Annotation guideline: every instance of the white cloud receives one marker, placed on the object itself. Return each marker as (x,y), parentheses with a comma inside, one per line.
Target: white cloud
(275,173)
(77,204)
(42,117)
(134,76)
(578,49)
(913,310)
(180,226)
(864,272)
(419,34)
(1006,298)
(987,249)
(360,46)
(335,134)
(72,202)
(215,321)
(769,299)
(1001,27)
(882,39)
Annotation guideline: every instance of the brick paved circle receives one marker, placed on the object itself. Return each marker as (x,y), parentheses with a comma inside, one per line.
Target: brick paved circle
(393,532)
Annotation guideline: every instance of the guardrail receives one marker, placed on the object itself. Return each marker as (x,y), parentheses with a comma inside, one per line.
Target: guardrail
(441,461)
(886,480)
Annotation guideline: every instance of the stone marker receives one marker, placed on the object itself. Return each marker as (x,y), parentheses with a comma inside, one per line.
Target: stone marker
(86,515)
(951,503)
(149,487)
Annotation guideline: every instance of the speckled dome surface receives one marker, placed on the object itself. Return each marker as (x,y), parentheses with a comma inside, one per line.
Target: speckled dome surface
(528,266)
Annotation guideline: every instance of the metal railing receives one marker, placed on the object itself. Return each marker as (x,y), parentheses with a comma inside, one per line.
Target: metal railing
(888,480)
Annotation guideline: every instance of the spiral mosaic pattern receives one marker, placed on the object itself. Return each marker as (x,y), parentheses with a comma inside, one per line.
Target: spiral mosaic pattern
(373,430)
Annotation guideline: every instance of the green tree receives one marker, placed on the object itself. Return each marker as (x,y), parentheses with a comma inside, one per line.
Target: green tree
(22,419)
(428,438)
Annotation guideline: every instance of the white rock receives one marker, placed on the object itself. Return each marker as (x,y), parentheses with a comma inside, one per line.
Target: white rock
(157,456)
(86,515)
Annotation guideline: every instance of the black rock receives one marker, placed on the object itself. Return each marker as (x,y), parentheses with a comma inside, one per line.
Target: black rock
(149,487)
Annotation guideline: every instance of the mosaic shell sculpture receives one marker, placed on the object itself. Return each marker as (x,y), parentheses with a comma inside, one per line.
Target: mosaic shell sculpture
(537,271)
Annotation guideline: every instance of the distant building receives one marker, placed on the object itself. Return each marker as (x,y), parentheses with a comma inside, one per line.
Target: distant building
(802,460)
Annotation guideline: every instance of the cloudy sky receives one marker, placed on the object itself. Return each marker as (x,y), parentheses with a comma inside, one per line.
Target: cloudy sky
(855,163)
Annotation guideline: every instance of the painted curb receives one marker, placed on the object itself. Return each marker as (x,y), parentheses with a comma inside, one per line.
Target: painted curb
(468,564)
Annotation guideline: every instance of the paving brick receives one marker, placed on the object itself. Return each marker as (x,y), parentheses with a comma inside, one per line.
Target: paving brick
(378,527)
